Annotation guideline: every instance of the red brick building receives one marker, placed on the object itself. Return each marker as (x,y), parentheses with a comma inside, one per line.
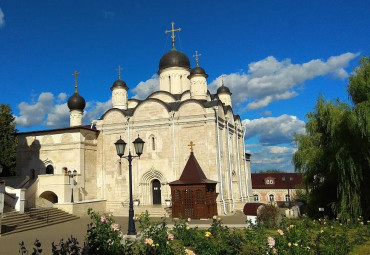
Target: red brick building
(273,187)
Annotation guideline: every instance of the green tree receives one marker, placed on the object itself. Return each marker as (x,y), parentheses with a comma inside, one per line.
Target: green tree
(8,142)
(334,153)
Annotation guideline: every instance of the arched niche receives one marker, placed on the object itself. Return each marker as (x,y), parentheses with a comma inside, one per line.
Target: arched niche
(47,199)
(151,109)
(190,108)
(66,138)
(163,96)
(114,116)
(47,140)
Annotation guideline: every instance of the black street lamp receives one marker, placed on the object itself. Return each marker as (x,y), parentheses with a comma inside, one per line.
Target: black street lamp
(120,147)
(71,176)
(288,186)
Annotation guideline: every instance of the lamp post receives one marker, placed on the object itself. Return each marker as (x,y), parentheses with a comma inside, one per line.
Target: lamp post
(288,185)
(71,176)
(120,147)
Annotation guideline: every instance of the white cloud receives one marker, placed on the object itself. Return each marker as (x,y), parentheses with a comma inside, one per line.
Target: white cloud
(62,97)
(95,110)
(269,80)
(44,112)
(58,116)
(145,88)
(2,20)
(34,114)
(274,130)
(280,150)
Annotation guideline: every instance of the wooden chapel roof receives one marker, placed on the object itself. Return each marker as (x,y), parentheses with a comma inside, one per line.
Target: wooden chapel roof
(192,174)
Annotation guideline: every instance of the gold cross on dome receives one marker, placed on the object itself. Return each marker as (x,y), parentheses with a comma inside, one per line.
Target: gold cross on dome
(119,69)
(197,57)
(75,74)
(191,146)
(173,30)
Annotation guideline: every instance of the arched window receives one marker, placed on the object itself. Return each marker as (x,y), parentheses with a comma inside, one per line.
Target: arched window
(287,198)
(255,197)
(153,143)
(271,197)
(49,169)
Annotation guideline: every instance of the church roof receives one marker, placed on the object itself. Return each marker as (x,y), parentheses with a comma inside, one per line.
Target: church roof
(192,173)
(76,102)
(86,127)
(174,58)
(119,83)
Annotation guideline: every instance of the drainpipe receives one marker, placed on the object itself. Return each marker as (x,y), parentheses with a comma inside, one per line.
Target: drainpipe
(239,173)
(230,169)
(245,164)
(219,162)
(128,133)
(174,144)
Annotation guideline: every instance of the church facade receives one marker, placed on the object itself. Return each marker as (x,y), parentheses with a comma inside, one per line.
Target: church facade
(180,112)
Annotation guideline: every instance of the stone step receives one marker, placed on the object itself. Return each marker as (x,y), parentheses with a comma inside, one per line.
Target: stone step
(14,222)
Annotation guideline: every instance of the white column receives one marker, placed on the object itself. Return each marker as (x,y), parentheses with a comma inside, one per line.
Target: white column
(230,167)
(238,157)
(219,162)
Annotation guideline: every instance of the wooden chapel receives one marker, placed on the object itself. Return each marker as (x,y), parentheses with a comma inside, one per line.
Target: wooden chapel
(193,195)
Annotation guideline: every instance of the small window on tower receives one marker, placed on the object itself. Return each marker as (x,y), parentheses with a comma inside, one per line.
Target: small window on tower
(153,143)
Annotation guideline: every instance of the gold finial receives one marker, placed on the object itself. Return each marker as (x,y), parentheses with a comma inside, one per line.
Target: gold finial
(119,69)
(197,57)
(75,75)
(191,146)
(222,79)
(173,30)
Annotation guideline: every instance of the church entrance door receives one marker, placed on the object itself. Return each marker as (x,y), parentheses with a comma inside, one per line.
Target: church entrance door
(156,190)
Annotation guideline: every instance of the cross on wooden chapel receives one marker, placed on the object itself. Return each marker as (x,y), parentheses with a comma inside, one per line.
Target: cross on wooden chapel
(191,146)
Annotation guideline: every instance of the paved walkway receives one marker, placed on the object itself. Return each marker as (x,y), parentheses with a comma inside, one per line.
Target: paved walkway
(9,245)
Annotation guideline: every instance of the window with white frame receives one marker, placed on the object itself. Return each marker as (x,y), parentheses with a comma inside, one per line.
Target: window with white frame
(271,197)
(287,198)
(256,197)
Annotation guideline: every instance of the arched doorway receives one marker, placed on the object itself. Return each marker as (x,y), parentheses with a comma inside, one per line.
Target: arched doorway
(48,198)
(49,169)
(156,191)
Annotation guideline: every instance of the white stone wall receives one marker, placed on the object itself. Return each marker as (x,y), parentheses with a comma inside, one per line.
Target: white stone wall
(75,118)
(174,80)
(119,98)
(198,87)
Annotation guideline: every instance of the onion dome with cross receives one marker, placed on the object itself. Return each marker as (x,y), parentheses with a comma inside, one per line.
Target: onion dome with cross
(119,82)
(76,102)
(197,70)
(173,58)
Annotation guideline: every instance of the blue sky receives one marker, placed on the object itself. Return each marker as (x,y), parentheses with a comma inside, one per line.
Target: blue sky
(277,57)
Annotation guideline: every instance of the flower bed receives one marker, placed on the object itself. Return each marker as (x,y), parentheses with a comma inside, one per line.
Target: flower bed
(302,236)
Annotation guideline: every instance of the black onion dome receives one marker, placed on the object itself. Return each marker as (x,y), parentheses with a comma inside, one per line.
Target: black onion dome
(76,102)
(197,70)
(119,83)
(223,89)
(174,58)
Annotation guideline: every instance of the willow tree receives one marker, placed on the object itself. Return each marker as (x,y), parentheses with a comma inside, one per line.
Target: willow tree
(8,141)
(334,153)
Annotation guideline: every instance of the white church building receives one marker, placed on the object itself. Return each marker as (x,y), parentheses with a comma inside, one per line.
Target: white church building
(181,111)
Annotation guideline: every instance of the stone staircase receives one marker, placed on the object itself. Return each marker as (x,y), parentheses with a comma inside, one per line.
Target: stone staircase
(14,222)
(154,210)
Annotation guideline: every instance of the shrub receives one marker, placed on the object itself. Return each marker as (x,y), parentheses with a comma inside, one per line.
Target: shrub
(268,215)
